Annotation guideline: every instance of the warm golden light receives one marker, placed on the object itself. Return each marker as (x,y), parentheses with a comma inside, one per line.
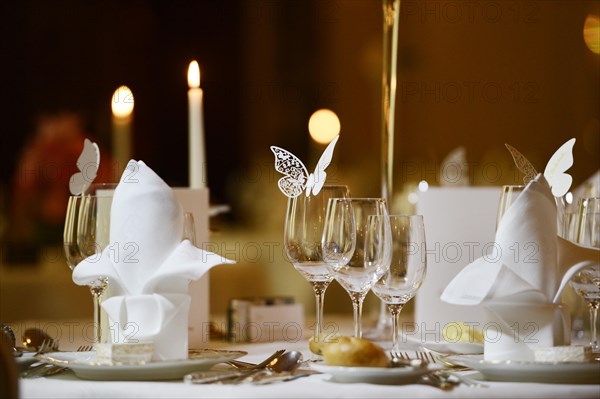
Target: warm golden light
(591,33)
(323,126)
(194,75)
(122,102)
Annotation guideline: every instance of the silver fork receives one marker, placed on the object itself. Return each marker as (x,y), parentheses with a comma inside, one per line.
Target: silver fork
(397,359)
(54,369)
(45,369)
(242,371)
(46,346)
(448,375)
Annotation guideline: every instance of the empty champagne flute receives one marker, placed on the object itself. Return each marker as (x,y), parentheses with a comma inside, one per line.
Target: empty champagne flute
(305,218)
(586,283)
(355,267)
(408,264)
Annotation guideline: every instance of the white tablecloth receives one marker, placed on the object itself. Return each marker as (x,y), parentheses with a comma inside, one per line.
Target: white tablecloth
(67,385)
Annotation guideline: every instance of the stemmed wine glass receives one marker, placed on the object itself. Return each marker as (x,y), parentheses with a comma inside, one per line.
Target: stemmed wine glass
(305,218)
(408,263)
(586,283)
(355,266)
(86,233)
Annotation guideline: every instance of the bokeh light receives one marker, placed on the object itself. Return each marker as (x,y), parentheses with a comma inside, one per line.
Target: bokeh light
(323,126)
(591,33)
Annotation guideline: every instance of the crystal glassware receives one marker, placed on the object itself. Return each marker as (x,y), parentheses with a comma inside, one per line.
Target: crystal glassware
(355,267)
(86,234)
(408,263)
(586,283)
(507,197)
(305,218)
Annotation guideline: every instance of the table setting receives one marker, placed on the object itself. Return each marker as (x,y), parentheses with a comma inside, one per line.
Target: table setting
(329,235)
(141,247)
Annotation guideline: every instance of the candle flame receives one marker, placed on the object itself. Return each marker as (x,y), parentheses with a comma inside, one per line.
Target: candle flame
(122,102)
(194,75)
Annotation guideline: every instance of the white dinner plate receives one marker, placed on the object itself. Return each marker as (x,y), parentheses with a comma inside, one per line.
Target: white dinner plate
(373,375)
(441,346)
(557,373)
(84,365)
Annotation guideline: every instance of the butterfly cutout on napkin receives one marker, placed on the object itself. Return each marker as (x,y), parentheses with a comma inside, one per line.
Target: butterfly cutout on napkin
(297,178)
(555,170)
(88,164)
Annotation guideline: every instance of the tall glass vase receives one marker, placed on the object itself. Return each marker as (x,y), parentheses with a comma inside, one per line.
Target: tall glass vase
(391,21)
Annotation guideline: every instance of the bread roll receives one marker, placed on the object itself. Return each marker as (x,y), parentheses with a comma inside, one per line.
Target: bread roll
(316,346)
(354,352)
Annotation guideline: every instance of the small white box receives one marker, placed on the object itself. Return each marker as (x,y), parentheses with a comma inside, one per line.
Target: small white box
(265,320)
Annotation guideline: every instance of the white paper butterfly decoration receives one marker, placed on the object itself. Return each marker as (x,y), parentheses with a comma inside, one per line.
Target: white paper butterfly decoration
(297,179)
(87,163)
(555,170)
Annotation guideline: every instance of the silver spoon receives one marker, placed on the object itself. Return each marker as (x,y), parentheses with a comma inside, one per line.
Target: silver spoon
(284,364)
(210,377)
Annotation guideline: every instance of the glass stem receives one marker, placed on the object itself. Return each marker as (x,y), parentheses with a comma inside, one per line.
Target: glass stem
(97,291)
(395,310)
(383,319)
(593,319)
(357,301)
(319,288)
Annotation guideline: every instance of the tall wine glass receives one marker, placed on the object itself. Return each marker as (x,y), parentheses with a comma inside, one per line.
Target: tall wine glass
(305,218)
(355,269)
(586,283)
(407,267)
(93,235)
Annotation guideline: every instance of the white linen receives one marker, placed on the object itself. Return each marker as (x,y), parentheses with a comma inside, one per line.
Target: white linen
(147,265)
(312,387)
(517,282)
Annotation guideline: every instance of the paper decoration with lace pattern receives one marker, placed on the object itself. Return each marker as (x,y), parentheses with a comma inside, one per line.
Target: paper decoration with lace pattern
(296,177)
(88,164)
(522,164)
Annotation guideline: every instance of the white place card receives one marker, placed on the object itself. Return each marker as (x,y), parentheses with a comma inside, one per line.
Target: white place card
(460,223)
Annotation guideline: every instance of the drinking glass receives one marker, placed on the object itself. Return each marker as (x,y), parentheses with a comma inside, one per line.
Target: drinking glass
(355,266)
(586,283)
(305,218)
(408,264)
(507,197)
(70,244)
(87,233)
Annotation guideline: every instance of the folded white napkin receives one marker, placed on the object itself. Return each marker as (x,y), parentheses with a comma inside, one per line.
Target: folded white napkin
(147,265)
(517,282)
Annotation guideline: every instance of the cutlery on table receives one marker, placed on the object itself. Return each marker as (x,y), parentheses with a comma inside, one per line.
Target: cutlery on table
(446,374)
(218,376)
(282,366)
(38,370)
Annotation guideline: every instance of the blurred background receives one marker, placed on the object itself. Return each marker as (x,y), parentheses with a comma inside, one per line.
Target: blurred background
(471,74)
